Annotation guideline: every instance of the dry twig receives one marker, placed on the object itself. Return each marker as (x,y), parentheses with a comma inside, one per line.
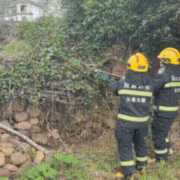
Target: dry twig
(2,126)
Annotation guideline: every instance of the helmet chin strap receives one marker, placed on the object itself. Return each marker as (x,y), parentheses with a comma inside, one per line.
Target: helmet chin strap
(162,64)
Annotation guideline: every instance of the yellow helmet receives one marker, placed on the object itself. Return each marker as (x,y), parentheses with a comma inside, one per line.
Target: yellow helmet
(138,62)
(170,56)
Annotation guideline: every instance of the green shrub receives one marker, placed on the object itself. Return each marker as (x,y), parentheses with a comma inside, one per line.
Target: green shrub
(43,171)
(32,174)
(68,159)
(15,51)
(4,178)
(51,170)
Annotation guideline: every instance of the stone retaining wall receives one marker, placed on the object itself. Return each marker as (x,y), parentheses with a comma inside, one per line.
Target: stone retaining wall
(16,153)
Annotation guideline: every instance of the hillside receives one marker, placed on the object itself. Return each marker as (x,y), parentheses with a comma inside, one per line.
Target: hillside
(95,145)
(52,94)
(90,139)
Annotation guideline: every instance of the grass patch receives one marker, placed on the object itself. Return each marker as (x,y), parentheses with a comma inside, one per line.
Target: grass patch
(15,50)
(161,171)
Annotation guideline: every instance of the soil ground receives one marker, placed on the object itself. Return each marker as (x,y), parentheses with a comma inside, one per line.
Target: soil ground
(103,152)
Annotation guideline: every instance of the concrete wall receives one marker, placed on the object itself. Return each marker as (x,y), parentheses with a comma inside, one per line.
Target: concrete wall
(29,8)
(28,11)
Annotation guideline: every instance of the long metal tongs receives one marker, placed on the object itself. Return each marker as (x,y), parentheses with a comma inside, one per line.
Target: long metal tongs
(102,74)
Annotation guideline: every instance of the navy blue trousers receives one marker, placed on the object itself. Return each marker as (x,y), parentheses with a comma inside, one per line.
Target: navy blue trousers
(131,140)
(160,130)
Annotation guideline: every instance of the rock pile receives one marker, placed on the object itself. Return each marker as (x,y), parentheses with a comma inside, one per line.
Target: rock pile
(15,152)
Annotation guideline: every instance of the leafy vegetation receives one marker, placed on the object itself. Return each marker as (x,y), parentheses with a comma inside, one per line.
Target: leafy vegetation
(62,165)
(4,178)
(80,39)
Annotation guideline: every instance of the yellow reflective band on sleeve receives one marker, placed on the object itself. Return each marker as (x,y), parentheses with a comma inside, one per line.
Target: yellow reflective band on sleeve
(168,108)
(172,84)
(132,118)
(161,151)
(167,140)
(135,93)
(127,163)
(142,159)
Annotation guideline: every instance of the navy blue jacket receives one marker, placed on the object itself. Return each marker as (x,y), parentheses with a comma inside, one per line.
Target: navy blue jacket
(136,92)
(167,91)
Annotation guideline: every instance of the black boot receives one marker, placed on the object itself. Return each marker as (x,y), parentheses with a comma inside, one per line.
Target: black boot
(141,165)
(128,177)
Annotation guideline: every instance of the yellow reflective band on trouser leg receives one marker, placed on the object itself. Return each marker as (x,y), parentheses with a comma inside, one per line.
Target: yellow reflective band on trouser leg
(164,151)
(142,159)
(168,108)
(132,118)
(127,163)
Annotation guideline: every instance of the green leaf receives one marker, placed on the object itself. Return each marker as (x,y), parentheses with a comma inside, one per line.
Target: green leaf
(50,173)
(59,156)
(32,173)
(43,167)
(39,178)
(4,178)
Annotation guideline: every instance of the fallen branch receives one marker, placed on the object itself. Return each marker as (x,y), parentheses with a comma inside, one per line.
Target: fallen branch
(2,126)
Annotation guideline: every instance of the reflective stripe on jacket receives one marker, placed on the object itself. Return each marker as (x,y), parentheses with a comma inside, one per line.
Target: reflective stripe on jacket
(136,92)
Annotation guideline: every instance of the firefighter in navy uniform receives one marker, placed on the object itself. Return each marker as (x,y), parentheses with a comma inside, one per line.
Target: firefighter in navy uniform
(166,95)
(135,91)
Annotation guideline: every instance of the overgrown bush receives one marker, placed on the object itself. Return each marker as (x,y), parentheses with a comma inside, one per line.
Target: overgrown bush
(66,50)
(54,43)
(144,25)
